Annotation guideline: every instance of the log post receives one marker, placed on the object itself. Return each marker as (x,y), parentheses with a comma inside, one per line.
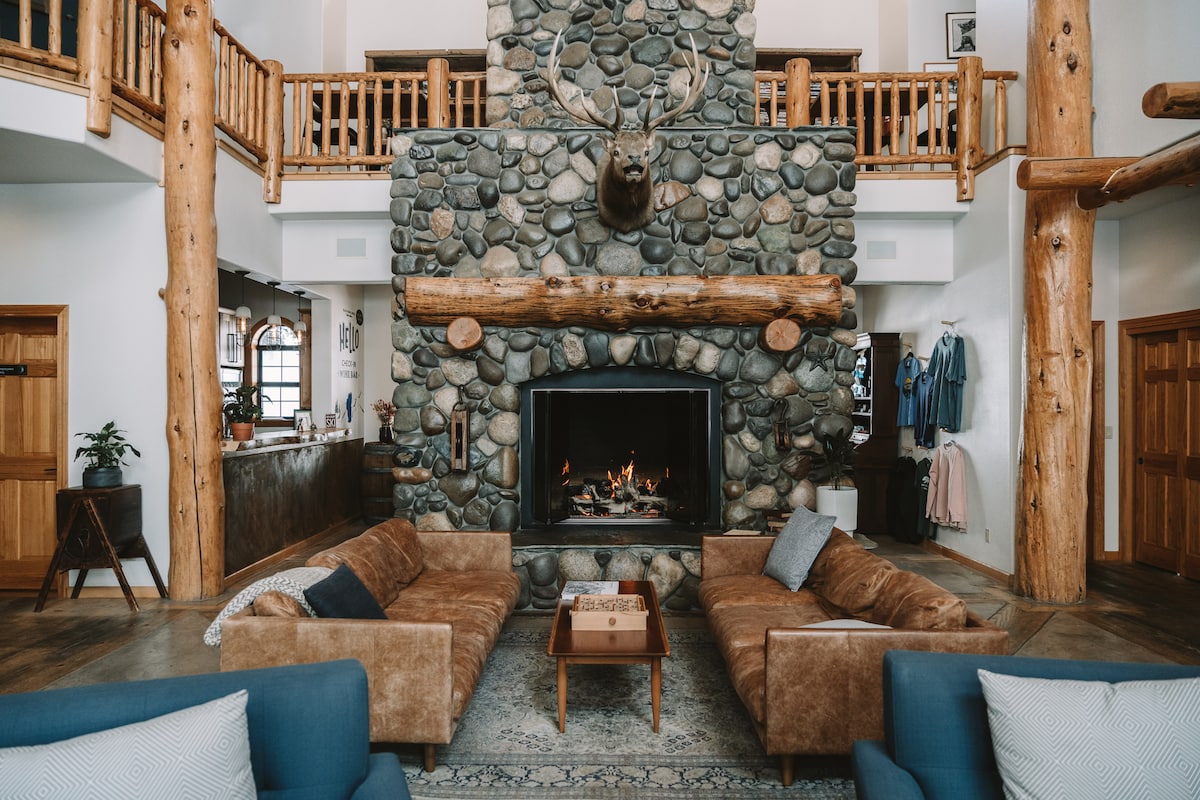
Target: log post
(1051,535)
(96,62)
(196,491)
(273,100)
(799,92)
(970,123)
(439,93)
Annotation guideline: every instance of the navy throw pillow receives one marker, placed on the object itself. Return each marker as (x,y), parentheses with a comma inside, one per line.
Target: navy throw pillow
(344,596)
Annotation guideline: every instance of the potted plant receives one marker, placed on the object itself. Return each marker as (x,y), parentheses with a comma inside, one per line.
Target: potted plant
(242,409)
(104,455)
(835,464)
(387,417)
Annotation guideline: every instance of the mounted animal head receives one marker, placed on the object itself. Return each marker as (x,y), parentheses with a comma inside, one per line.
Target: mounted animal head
(624,188)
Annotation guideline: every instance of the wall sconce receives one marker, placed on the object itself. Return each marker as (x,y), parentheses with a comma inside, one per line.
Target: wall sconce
(273,319)
(242,314)
(460,437)
(301,327)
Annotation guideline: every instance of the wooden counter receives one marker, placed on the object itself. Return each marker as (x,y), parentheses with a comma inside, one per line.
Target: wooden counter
(282,490)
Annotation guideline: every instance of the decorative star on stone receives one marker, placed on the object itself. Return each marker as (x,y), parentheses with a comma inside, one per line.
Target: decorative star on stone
(820,359)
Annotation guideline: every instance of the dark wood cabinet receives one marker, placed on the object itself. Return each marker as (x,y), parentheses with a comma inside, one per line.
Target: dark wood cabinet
(875,406)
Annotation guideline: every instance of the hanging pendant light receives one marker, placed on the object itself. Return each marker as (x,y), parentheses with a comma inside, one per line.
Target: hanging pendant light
(242,314)
(301,327)
(273,320)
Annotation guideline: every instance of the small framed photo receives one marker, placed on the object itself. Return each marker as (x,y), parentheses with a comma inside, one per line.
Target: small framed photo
(302,419)
(960,34)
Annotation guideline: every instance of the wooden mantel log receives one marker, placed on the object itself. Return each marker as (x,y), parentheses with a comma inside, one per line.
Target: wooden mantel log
(1178,163)
(1172,101)
(618,303)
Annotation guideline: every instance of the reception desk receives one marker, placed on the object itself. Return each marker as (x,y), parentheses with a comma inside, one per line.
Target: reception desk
(284,488)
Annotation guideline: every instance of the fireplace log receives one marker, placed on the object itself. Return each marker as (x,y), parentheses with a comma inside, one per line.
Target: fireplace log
(464,334)
(780,336)
(619,303)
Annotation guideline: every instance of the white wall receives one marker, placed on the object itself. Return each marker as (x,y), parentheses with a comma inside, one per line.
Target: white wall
(101,250)
(377,355)
(1160,260)
(340,373)
(980,301)
(287,31)
(388,25)
(809,23)
(1137,45)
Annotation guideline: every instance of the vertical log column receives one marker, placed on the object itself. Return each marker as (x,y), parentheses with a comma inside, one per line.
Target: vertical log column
(799,92)
(96,62)
(1052,513)
(197,494)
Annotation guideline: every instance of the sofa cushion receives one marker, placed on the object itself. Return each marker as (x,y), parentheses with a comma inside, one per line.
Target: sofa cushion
(740,590)
(853,580)
(1068,738)
(343,595)
(385,557)
(201,751)
(796,547)
(914,602)
(278,604)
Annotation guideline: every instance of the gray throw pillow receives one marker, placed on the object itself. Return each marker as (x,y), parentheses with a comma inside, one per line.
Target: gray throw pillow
(796,547)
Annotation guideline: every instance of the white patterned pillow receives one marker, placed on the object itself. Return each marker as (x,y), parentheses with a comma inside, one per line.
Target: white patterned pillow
(201,752)
(1067,739)
(291,582)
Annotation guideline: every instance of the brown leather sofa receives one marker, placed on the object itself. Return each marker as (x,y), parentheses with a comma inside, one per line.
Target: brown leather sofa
(814,691)
(446,594)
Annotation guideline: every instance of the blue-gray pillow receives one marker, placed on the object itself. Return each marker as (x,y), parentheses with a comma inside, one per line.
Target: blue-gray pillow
(796,547)
(344,596)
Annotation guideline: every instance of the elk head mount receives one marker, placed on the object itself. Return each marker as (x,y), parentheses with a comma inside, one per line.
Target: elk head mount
(624,188)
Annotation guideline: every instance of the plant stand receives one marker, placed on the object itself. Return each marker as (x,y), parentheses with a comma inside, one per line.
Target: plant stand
(97,528)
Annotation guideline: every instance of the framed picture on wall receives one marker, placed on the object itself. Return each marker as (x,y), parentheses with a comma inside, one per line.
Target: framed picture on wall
(960,34)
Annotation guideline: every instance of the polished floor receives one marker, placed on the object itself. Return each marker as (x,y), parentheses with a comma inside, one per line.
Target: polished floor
(1132,613)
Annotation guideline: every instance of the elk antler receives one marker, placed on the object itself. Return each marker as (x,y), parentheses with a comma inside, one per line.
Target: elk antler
(584,114)
(693,93)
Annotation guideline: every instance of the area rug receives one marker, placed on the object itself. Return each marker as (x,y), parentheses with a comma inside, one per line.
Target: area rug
(508,744)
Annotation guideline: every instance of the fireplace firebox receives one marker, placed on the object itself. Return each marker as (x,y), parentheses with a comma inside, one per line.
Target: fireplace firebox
(621,446)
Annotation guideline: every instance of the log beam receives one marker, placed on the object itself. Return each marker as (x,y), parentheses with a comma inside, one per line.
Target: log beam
(1178,163)
(618,303)
(196,490)
(1172,101)
(1068,173)
(1051,534)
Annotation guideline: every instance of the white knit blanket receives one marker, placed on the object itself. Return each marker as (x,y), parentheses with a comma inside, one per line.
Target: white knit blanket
(291,582)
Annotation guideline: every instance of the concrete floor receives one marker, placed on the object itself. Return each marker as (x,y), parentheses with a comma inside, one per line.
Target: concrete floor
(95,640)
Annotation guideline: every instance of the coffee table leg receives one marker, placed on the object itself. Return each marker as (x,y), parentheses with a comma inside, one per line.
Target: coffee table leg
(562,695)
(656,688)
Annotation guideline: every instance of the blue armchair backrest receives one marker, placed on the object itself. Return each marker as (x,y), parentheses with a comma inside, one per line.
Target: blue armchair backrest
(935,717)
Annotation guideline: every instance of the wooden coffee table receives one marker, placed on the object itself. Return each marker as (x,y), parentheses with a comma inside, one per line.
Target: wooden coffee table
(611,647)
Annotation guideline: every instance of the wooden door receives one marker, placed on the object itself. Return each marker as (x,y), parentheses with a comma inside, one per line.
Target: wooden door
(1166,450)
(33,358)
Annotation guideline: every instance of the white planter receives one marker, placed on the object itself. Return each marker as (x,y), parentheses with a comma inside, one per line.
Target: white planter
(841,503)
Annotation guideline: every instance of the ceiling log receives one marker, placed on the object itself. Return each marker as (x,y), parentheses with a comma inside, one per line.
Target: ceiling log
(622,302)
(1179,163)
(1172,101)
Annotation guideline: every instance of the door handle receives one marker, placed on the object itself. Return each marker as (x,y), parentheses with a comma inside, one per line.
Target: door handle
(1141,461)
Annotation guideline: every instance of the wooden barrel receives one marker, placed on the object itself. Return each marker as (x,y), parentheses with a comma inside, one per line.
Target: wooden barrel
(377,482)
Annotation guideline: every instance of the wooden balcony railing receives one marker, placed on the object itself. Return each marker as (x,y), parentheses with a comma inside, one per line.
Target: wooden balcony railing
(342,122)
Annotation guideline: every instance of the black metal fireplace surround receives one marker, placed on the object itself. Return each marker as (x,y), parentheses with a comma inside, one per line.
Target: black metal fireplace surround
(617,450)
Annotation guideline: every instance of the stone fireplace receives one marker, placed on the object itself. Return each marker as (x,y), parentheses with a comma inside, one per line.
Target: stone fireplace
(482,208)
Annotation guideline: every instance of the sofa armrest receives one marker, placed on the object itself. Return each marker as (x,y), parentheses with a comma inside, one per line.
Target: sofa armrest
(734,555)
(877,777)
(824,686)
(385,780)
(462,551)
(410,665)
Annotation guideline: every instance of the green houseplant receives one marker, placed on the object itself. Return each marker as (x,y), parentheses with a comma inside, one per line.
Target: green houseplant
(104,455)
(835,464)
(242,409)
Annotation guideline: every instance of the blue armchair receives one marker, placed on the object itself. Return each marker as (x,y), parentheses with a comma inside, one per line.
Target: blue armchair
(308,724)
(937,745)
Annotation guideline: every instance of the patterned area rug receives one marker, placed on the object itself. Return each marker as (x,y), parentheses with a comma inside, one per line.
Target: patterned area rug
(509,746)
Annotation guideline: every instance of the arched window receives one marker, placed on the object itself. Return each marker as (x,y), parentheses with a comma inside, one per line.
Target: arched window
(278,367)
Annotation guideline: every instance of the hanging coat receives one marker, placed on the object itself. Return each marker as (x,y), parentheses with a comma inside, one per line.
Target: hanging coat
(947,501)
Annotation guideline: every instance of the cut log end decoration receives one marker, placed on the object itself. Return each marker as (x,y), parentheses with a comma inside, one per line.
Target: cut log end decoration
(464,333)
(618,303)
(780,336)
